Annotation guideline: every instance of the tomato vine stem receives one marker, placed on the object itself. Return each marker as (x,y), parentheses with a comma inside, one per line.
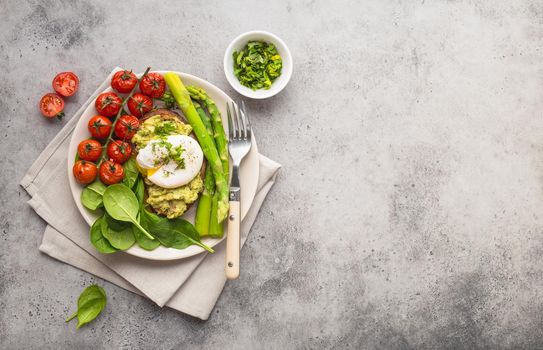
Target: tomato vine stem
(110,136)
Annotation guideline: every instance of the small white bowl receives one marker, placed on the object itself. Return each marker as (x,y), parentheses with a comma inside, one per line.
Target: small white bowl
(278,84)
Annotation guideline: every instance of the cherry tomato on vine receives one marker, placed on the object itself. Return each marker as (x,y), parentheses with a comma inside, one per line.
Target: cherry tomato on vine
(52,105)
(89,150)
(119,151)
(139,104)
(111,172)
(124,81)
(66,83)
(126,127)
(84,172)
(153,85)
(108,104)
(99,127)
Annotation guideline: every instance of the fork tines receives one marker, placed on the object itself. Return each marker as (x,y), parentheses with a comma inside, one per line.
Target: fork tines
(239,127)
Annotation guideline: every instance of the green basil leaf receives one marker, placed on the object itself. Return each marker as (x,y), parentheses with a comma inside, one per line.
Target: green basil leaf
(90,304)
(131,173)
(91,196)
(98,240)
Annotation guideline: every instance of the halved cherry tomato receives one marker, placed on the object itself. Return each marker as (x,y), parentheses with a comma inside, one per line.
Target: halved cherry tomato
(89,150)
(140,104)
(51,105)
(119,151)
(126,127)
(108,104)
(84,172)
(124,81)
(111,172)
(99,127)
(153,85)
(66,83)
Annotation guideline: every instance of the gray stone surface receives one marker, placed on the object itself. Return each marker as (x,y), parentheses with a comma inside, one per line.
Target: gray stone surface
(409,213)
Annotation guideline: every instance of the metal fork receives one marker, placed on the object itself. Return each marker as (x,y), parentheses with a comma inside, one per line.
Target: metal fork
(239,137)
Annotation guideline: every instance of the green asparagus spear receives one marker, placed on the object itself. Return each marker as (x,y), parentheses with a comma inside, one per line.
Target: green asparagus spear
(203,212)
(219,135)
(196,93)
(203,116)
(184,102)
(215,227)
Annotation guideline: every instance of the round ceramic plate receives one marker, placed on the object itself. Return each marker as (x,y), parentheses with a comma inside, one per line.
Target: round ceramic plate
(248,175)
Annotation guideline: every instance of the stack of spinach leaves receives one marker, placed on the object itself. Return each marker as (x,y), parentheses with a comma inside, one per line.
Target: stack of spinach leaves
(126,220)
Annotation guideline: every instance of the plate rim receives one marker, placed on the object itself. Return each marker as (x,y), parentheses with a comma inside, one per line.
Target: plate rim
(135,250)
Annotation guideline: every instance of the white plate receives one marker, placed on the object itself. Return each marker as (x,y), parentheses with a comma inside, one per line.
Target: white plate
(248,174)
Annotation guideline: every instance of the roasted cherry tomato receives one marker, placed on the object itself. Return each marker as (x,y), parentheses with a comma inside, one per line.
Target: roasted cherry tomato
(89,150)
(51,105)
(84,172)
(66,83)
(119,151)
(124,81)
(111,172)
(108,104)
(99,127)
(140,104)
(153,85)
(126,127)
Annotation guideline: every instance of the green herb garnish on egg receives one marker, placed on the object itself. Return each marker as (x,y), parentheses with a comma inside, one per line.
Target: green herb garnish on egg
(257,65)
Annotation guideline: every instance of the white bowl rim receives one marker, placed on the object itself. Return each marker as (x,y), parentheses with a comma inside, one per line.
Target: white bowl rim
(262,93)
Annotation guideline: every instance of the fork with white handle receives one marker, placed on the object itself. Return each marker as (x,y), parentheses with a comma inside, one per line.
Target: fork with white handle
(239,144)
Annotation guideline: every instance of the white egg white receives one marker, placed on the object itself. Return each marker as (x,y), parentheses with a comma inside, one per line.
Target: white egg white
(170,175)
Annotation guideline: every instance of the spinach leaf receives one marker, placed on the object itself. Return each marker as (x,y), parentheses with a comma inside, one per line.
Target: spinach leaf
(89,305)
(116,224)
(139,191)
(144,241)
(91,196)
(121,239)
(121,204)
(131,172)
(146,219)
(98,240)
(176,233)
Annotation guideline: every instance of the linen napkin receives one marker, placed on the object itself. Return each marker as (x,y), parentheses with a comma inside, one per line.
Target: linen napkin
(176,284)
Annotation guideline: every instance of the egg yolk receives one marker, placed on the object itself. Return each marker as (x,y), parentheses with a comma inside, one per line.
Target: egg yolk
(151,171)
(146,172)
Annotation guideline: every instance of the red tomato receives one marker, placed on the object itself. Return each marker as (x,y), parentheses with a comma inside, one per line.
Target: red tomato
(124,81)
(153,85)
(111,172)
(108,104)
(66,83)
(51,105)
(84,172)
(140,104)
(126,127)
(89,150)
(99,127)
(119,151)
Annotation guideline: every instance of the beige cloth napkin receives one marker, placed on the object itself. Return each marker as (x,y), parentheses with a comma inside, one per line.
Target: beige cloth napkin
(177,284)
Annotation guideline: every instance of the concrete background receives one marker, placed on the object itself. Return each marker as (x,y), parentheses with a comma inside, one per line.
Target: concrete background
(409,213)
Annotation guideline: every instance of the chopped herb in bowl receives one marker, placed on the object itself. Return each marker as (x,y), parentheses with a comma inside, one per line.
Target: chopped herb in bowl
(257,65)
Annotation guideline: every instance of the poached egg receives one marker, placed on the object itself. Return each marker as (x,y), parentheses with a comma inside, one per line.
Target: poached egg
(171,162)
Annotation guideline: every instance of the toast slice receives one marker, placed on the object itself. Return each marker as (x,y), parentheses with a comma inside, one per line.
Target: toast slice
(166,114)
